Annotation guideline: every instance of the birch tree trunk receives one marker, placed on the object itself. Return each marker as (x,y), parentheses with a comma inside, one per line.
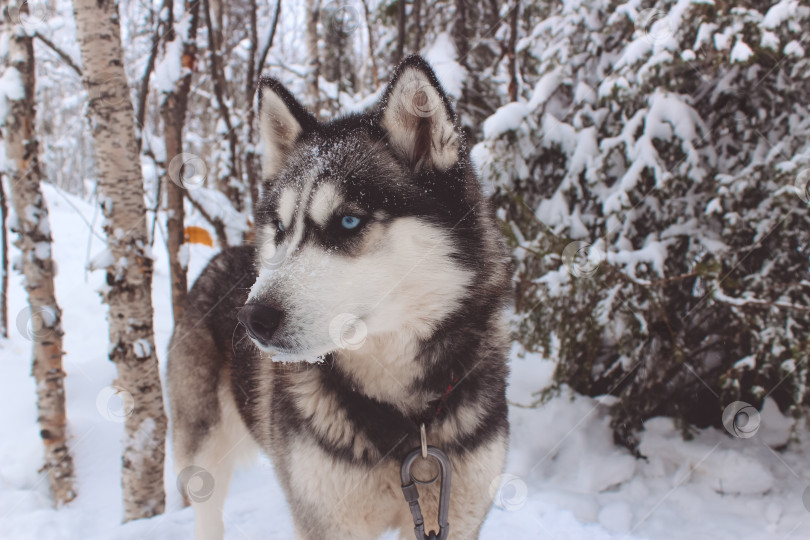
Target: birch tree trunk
(173,113)
(129,275)
(42,323)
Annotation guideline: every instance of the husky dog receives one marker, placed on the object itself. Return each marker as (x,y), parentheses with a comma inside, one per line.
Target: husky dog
(372,304)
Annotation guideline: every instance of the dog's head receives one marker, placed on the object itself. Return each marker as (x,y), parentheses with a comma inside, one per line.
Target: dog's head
(360,224)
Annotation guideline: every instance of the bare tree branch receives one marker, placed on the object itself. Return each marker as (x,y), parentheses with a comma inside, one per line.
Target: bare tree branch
(417,25)
(220,88)
(375,76)
(512,53)
(216,223)
(269,44)
(254,44)
(62,54)
(402,17)
(143,93)
(265,52)
(313,15)
(252,160)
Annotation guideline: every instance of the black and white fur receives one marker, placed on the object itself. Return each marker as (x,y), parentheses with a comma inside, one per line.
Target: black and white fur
(350,339)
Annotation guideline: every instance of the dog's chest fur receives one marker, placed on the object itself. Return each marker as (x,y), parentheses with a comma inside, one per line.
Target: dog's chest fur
(360,407)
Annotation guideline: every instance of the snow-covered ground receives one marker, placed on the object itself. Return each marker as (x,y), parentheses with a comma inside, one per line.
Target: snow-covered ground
(564,478)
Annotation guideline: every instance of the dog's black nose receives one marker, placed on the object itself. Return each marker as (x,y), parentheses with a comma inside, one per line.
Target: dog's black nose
(260,321)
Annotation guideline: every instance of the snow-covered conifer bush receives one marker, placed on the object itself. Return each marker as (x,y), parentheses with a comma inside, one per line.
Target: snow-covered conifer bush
(653,180)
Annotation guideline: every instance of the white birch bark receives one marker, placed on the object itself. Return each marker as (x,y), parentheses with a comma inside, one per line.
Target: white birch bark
(129,276)
(42,321)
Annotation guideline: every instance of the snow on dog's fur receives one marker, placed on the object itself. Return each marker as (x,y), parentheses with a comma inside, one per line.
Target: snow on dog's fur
(371,304)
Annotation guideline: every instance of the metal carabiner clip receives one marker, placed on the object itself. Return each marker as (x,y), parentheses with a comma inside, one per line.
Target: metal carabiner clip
(412,493)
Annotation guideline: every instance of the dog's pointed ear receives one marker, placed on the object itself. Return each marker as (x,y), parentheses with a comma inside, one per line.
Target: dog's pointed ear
(281,121)
(418,117)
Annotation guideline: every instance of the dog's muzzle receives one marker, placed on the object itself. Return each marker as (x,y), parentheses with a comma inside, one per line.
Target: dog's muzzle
(260,321)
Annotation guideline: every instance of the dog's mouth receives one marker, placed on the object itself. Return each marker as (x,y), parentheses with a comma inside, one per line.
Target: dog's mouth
(286,357)
(279,353)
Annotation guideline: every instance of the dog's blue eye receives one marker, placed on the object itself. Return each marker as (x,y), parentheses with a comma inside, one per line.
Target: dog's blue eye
(350,222)
(280,226)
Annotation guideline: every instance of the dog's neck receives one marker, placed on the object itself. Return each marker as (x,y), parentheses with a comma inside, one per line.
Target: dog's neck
(386,368)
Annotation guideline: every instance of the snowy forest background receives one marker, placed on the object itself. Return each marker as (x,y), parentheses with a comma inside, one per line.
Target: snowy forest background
(650,163)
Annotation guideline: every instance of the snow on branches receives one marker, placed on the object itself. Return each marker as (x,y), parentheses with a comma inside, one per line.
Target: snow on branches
(655,185)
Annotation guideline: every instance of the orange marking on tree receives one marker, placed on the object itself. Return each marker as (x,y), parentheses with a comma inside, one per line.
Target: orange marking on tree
(198,235)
